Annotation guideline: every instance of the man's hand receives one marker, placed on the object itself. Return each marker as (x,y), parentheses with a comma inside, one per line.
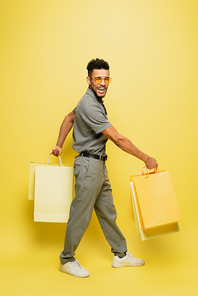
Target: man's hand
(151,163)
(56,151)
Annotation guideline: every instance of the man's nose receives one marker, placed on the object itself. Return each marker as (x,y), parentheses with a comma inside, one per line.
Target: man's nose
(102,82)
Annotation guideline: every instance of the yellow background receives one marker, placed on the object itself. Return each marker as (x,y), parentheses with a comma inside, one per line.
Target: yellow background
(152,48)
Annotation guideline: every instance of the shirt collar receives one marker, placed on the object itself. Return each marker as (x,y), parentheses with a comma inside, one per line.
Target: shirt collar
(91,93)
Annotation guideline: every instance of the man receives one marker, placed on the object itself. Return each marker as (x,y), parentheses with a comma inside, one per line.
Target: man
(92,187)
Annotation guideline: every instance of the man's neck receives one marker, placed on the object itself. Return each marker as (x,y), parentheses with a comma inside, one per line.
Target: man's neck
(100,99)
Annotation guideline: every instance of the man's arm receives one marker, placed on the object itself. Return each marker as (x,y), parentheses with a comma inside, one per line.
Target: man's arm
(65,128)
(127,146)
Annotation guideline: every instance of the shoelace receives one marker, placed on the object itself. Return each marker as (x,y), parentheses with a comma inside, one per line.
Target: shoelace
(77,264)
(130,255)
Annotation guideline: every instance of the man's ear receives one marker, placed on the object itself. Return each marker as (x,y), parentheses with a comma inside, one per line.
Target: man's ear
(88,80)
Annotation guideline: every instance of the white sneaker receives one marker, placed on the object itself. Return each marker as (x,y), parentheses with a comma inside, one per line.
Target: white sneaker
(74,268)
(127,260)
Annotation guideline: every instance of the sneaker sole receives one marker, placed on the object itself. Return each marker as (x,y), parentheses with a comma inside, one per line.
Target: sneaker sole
(117,265)
(79,275)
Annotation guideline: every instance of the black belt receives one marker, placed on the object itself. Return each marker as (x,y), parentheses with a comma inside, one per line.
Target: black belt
(86,154)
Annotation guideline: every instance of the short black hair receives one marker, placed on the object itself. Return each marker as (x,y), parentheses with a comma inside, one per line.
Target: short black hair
(97,64)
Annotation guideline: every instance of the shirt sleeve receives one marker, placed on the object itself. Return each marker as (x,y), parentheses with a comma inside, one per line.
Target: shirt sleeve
(95,117)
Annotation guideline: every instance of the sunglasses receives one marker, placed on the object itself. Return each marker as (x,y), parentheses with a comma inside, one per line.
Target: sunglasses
(98,80)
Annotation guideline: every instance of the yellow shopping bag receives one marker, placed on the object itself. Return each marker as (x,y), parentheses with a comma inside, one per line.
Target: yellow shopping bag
(156,200)
(145,234)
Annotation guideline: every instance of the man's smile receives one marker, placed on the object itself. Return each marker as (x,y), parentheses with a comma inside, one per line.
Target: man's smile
(101,90)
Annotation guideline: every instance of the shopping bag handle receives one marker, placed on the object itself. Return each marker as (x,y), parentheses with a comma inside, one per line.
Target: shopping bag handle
(145,169)
(59,160)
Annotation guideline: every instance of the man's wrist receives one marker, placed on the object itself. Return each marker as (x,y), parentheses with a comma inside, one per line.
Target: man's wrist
(59,145)
(146,158)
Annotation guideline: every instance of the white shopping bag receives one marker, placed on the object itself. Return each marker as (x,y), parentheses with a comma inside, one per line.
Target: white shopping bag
(31,186)
(53,192)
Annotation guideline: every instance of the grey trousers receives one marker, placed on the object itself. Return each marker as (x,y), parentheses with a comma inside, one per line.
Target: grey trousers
(92,191)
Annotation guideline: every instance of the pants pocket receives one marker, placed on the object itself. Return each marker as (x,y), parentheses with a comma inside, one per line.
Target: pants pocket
(81,166)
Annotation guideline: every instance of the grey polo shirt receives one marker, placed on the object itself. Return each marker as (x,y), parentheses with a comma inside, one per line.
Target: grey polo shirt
(90,120)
